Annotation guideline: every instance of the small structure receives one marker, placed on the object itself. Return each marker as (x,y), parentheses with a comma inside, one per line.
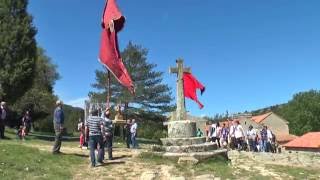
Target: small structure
(309,142)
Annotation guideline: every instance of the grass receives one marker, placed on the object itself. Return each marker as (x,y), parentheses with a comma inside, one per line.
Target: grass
(21,162)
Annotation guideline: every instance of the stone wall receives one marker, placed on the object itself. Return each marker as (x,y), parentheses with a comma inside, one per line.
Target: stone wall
(287,158)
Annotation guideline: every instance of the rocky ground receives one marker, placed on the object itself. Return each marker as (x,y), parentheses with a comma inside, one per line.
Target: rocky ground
(129,164)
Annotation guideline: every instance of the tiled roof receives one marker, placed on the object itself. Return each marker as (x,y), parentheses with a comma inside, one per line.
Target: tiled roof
(309,140)
(260,118)
(285,137)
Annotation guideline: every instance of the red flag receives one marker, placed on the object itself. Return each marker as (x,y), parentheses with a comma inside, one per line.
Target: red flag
(109,56)
(190,86)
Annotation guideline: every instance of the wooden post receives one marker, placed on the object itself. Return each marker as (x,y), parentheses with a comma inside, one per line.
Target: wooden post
(109,89)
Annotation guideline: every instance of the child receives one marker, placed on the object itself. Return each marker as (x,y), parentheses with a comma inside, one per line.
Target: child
(20,132)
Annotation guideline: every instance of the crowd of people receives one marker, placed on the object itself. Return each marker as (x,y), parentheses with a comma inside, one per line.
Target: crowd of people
(24,125)
(234,136)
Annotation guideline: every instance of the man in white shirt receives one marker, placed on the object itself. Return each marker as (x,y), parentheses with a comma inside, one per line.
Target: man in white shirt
(232,135)
(133,131)
(239,135)
(213,132)
(251,136)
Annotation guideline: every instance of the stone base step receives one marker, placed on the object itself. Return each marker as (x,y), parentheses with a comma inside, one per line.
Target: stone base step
(198,155)
(182,141)
(191,148)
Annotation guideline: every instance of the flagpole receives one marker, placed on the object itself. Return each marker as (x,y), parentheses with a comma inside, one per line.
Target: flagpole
(109,89)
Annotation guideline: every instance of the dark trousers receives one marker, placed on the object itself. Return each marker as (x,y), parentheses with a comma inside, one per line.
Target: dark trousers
(128,140)
(239,143)
(2,128)
(94,141)
(252,144)
(108,145)
(233,143)
(58,138)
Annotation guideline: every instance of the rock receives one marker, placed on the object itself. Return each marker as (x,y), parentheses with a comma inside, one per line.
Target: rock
(205,177)
(217,178)
(188,160)
(148,175)
(177,178)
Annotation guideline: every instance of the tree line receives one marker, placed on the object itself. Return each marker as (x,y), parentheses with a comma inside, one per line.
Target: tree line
(27,74)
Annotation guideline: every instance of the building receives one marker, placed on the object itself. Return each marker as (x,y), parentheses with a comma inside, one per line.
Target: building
(308,142)
(275,123)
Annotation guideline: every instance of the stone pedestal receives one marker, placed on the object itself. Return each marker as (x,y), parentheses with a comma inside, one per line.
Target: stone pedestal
(182,142)
(181,129)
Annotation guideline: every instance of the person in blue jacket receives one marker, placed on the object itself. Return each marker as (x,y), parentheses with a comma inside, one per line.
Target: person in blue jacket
(58,121)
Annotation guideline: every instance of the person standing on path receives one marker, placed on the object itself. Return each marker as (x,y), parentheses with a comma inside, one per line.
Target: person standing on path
(94,126)
(58,121)
(128,133)
(133,131)
(3,117)
(108,129)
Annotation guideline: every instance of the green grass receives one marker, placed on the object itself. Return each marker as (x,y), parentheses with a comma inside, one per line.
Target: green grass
(21,162)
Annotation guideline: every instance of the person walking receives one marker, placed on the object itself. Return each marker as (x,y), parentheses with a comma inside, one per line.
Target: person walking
(239,135)
(264,139)
(219,129)
(94,126)
(81,129)
(3,117)
(108,129)
(128,133)
(58,121)
(26,122)
(232,135)
(224,135)
(213,133)
(133,131)
(251,136)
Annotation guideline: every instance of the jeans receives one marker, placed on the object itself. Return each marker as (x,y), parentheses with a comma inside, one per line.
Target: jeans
(264,145)
(57,139)
(252,145)
(94,141)
(134,141)
(108,145)
(128,139)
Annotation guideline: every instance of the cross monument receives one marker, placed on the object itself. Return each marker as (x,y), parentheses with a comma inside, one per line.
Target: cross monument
(179,70)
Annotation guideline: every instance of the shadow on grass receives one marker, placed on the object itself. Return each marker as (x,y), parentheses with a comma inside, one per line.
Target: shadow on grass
(121,157)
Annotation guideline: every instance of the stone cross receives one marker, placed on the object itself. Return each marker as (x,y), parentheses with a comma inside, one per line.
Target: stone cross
(179,70)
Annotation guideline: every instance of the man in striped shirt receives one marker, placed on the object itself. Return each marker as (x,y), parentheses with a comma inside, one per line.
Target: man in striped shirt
(95,128)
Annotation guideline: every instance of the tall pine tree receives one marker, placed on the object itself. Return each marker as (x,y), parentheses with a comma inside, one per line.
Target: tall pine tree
(17,49)
(151,95)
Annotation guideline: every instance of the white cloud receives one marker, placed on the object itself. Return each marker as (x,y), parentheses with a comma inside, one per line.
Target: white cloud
(77,102)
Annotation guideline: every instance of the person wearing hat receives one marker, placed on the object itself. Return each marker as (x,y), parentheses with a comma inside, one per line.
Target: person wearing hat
(3,116)
(58,121)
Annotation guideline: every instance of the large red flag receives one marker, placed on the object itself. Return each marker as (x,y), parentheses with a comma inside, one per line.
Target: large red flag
(190,86)
(112,23)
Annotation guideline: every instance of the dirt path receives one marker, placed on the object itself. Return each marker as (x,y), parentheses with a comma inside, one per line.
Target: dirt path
(126,164)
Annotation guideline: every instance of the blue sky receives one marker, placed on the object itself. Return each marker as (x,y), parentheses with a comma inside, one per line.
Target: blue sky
(249,54)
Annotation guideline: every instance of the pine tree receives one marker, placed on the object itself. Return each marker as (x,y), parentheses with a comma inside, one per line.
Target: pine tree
(17,49)
(151,95)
